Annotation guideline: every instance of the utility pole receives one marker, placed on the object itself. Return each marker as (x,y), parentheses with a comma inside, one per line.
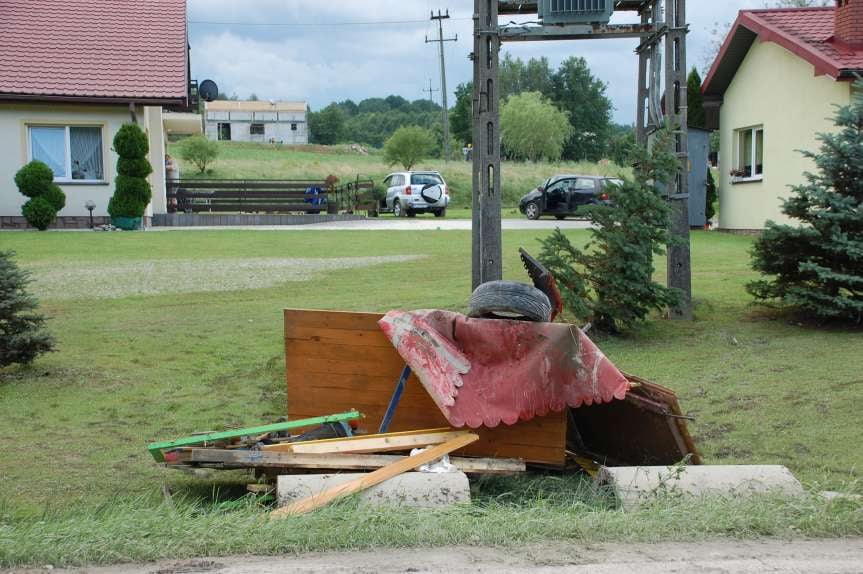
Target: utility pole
(430,90)
(440,40)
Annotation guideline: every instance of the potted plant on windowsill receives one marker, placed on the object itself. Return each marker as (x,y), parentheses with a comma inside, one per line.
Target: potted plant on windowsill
(131,190)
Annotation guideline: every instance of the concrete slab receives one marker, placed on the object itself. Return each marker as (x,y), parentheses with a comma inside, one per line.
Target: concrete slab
(634,485)
(417,489)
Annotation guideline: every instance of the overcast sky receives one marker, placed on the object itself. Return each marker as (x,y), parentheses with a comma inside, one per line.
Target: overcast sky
(318,51)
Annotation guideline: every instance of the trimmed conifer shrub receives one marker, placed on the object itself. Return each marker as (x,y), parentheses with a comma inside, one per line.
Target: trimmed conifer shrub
(132,191)
(816,267)
(36,181)
(22,333)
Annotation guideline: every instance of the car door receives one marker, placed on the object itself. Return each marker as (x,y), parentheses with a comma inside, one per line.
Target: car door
(556,196)
(583,192)
(392,189)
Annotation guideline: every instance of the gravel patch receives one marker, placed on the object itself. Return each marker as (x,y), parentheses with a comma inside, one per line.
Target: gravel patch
(96,280)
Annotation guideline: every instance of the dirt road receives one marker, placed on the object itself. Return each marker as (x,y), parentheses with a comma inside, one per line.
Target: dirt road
(816,557)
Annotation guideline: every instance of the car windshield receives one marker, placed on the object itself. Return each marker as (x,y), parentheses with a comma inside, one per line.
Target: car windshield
(425,179)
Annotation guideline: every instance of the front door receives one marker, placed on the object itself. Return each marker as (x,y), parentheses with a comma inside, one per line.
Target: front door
(225,131)
(557,197)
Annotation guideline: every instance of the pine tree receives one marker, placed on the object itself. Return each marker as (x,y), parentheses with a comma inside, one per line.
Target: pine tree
(22,336)
(610,282)
(695,103)
(817,267)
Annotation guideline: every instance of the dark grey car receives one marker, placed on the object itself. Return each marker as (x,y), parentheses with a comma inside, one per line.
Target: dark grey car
(563,195)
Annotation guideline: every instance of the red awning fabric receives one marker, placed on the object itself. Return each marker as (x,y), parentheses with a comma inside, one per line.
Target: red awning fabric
(482,372)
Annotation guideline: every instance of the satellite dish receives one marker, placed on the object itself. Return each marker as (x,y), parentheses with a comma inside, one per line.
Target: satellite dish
(208,90)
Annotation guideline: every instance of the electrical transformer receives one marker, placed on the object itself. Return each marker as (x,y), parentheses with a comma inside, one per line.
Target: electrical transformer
(575,11)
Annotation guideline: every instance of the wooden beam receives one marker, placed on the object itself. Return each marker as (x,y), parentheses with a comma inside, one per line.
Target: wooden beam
(316,501)
(368,444)
(235,459)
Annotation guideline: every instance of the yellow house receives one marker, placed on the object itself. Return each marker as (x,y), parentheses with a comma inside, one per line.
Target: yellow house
(67,86)
(774,86)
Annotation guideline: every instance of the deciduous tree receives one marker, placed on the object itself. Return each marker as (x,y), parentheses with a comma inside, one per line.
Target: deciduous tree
(532,128)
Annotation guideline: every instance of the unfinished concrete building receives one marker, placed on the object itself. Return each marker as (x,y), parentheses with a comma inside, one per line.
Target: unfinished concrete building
(258,121)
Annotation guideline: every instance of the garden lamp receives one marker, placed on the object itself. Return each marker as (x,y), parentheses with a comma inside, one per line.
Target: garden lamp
(90,205)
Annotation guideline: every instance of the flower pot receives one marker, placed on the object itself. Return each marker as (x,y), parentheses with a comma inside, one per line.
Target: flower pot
(127,223)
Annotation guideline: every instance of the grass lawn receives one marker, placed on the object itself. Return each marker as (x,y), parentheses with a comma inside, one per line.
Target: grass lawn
(166,333)
(239,160)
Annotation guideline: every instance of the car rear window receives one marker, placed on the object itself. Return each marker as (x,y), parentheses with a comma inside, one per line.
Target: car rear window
(425,179)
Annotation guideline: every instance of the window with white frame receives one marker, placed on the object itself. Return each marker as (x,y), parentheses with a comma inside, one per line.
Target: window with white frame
(74,153)
(749,145)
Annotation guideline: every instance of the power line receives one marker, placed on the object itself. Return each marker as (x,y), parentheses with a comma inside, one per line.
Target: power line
(314,24)
(445,113)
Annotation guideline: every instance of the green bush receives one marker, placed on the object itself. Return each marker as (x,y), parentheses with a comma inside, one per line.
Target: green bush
(36,181)
(34,178)
(610,282)
(532,128)
(39,213)
(22,337)
(132,193)
(199,151)
(134,167)
(131,142)
(408,145)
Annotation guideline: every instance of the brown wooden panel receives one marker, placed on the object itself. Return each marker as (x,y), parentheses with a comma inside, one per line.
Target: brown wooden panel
(336,361)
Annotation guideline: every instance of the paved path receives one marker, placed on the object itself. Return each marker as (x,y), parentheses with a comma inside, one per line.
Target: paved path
(737,557)
(398,225)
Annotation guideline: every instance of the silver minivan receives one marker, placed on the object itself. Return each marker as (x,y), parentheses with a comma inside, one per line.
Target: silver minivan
(412,192)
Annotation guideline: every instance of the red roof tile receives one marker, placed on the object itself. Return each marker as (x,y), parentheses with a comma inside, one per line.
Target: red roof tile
(807,32)
(116,49)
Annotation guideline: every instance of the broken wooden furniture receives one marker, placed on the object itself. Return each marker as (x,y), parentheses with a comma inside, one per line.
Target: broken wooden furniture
(342,360)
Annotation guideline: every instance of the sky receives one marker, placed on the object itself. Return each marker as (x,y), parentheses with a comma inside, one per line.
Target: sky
(320,52)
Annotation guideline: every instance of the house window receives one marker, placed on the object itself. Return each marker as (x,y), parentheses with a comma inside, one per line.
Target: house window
(256,129)
(293,127)
(224,130)
(749,144)
(74,153)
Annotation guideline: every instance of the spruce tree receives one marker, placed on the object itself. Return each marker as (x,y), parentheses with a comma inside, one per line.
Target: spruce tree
(816,267)
(22,334)
(610,281)
(695,101)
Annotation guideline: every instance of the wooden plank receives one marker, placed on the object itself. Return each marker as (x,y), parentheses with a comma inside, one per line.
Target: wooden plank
(368,444)
(235,459)
(294,333)
(156,448)
(335,320)
(316,501)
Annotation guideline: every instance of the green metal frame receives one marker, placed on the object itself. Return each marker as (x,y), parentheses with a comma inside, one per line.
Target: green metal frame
(156,448)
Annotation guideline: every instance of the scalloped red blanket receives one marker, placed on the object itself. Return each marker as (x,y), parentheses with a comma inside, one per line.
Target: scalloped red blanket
(484,371)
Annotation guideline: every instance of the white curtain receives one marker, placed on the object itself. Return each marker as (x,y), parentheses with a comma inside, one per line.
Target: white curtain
(86,152)
(48,144)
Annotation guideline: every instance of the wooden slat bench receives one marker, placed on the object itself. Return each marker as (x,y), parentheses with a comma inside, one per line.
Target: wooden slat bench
(245,196)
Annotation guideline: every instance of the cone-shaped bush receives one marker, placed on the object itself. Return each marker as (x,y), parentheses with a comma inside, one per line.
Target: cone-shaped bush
(131,189)
(22,333)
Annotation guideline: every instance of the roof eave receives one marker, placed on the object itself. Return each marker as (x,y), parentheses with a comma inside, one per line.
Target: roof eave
(161,101)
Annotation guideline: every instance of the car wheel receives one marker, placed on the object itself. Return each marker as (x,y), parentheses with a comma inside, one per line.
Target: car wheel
(440,213)
(398,210)
(509,300)
(531,210)
(560,217)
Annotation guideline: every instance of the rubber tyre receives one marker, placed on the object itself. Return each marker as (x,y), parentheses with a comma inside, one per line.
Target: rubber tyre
(532,211)
(398,210)
(440,213)
(560,217)
(509,300)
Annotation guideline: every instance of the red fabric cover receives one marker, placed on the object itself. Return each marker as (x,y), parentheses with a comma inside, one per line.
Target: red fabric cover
(484,371)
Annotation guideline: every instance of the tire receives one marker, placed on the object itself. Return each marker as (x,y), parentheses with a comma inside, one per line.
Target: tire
(532,211)
(509,300)
(440,213)
(560,217)
(398,210)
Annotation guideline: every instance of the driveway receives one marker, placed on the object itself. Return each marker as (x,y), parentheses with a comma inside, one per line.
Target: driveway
(726,557)
(389,224)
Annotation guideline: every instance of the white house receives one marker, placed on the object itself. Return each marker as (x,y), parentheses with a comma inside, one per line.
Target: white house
(67,85)
(258,121)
